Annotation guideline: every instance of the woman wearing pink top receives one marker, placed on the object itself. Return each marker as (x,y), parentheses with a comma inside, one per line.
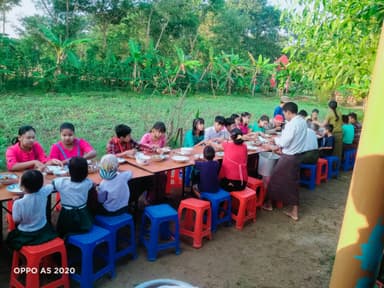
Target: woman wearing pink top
(233,173)
(156,138)
(70,146)
(26,152)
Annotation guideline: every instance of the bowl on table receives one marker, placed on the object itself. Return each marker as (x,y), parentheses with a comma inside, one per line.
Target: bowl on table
(185,151)
(142,159)
(158,158)
(199,156)
(220,153)
(165,150)
(60,172)
(14,188)
(8,178)
(180,158)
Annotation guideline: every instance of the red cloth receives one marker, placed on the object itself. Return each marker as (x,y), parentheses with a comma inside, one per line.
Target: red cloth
(80,147)
(234,165)
(16,155)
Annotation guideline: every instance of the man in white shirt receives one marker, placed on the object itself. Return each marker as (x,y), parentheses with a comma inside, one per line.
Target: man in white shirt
(283,185)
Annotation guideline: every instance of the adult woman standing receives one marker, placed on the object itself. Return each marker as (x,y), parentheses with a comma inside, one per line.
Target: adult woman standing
(335,119)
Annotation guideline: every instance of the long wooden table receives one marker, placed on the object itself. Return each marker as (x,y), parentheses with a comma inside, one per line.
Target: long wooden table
(5,195)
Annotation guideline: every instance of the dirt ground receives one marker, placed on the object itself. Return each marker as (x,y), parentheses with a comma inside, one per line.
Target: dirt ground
(272,252)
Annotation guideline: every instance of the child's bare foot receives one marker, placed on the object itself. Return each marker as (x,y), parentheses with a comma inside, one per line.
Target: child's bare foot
(291,214)
(267,207)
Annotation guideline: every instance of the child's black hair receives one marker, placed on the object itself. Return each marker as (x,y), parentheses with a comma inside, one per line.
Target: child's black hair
(329,127)
(353,115)
(303,113)
(291,107)
(234,116)
(32,181)
(220,120)
(195,122)
(122,130)
(235,133)
(316,110)
(229,121)
(345,119)
(209,152)
(78,169)
(159,126)
(264,118)
(67,125)
(22,130)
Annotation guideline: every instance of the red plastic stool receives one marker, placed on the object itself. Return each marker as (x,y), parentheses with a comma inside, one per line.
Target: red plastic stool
(258,186)
(196,227)
(243,206)
(11,223)
(174,180)
(34,255)
(321,170)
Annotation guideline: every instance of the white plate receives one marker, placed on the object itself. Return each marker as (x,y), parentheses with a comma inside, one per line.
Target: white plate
(199,156)
(220,154)
(14,188)
(8,176)
(165,150)
(121,160)
(53,168)
(158,158)
(178,158)
(252,148)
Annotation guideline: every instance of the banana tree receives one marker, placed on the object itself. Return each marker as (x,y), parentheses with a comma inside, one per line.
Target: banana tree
(260,67)
(62,50)
(234,70)
(183,63)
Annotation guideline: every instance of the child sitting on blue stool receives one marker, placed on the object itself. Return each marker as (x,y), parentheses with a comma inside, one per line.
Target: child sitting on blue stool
(113,192)
(74,216)
(205,174)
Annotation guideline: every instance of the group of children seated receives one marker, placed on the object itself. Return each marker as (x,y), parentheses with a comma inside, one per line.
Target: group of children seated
(111,196)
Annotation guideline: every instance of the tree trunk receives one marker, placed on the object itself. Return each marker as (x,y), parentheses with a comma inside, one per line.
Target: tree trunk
(66,20)
(3,10)
(161,34)
(148,32)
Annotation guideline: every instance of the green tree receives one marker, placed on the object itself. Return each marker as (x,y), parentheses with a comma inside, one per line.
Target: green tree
(334,42)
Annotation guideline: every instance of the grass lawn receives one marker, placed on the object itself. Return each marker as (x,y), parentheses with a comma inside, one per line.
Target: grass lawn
(95,114)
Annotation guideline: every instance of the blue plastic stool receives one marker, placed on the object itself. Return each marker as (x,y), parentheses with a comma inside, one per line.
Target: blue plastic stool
(113,224)
(333,166)
(311,180)
(159,217)
(349,159)
(221,207)
(87,243)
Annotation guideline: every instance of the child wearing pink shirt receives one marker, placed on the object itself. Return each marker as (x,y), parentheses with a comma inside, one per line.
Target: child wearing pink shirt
(26,152)
(70,146)
(156,137)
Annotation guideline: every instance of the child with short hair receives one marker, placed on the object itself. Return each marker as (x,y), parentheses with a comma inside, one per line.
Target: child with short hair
(217,131)
(205,173)
(122,144)
(327,144)
(156,138)
(30,213)
(70,146)
(113,192)
(261,124)
(74,216)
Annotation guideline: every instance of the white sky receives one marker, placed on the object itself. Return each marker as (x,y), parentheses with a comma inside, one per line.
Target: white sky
(27,8)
